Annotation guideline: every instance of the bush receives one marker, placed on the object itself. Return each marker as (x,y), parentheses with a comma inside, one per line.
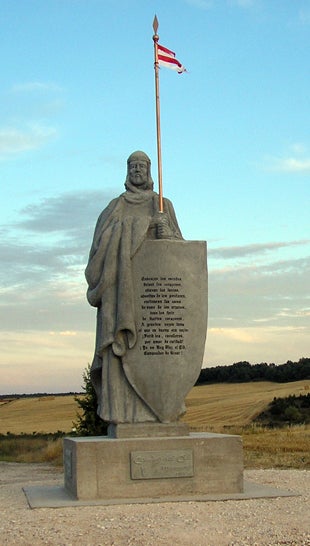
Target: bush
(89,423)
(293,415)
(291,409)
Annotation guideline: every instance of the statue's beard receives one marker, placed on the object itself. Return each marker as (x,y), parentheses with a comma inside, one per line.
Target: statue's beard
(139,182)
(147,185)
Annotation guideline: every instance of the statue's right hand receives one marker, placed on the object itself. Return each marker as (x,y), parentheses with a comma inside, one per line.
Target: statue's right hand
(162,226)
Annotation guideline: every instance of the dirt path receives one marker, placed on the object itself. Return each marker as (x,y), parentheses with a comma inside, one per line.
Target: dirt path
(259,522)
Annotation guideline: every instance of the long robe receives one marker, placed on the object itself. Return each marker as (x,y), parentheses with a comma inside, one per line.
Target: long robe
(121,229)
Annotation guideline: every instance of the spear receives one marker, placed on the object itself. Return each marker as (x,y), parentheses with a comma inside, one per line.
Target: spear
(164,57)
(157,101)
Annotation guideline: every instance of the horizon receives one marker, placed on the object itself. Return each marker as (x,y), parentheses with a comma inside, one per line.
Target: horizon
(68,393)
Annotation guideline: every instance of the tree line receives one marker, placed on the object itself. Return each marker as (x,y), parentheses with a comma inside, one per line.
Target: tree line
(242,372)
(13,396)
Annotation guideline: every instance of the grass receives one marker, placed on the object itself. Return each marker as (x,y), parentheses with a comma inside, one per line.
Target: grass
(228,408)
(287,447)
(263,447)
(27,449)
(277,448)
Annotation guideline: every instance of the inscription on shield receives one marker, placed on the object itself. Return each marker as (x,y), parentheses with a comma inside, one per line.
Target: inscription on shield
(170,287)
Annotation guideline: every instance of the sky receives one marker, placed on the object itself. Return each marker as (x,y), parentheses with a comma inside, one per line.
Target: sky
(77,97)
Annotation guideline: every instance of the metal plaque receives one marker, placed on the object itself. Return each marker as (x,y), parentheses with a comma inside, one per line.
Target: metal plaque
(176,463)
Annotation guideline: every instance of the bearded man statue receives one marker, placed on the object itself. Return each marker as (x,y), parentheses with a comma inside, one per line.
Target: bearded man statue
(121,229)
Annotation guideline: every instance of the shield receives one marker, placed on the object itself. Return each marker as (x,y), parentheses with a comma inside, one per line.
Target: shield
(171,308)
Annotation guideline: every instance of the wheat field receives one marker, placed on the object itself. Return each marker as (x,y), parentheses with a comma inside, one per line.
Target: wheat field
(234,404)
(208,407)
(38,414)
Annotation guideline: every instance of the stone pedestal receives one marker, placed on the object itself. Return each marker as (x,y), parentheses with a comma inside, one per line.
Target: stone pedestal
(153,467)
(147,430)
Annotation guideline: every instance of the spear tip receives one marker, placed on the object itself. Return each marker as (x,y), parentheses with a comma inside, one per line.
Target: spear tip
(155,24)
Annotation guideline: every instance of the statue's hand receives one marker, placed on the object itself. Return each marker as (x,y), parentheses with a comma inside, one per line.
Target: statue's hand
(163,230)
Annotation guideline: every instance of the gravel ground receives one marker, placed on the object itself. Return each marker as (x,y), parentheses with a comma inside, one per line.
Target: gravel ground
(257,522)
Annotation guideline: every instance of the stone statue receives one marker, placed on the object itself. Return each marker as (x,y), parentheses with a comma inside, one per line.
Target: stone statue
(150,287)
(121,229)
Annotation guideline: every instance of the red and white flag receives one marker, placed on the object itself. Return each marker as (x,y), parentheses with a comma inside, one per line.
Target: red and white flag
(166,58)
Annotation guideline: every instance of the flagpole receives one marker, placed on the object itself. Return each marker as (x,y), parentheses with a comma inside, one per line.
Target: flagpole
(159,162)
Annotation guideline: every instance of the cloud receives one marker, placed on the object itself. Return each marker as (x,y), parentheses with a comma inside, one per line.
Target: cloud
(56,304)
(38,361)
(275,292)
(29,108)
(43,257)
(289,165)
(49,241)
(35,86)
(36,265)
(248,250)
(66,213)
(297,160)
(44,253)
(14,141)
(264,344)
(298,147)
(256,313)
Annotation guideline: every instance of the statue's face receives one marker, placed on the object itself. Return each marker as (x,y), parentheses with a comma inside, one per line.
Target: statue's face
(137,171)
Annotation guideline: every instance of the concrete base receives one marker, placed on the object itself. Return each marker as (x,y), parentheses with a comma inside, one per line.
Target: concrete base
(39,496)
(165,468)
